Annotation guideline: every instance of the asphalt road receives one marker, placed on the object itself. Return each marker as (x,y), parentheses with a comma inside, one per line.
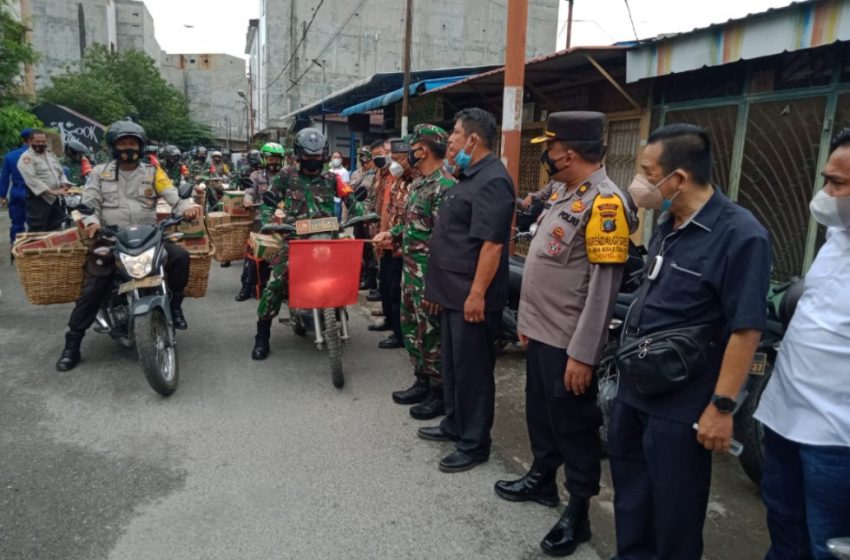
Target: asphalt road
(246,460)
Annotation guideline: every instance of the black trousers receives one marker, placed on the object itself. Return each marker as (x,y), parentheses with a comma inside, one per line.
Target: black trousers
(369,271)
(255,275)
(661,481)
(469,388)
(43,216)
(390,289)
(96,288)
(563,427)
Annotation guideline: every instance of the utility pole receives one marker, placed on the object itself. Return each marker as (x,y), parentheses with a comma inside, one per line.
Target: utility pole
(570,24)
(514,85)
(405,100)
(250,103)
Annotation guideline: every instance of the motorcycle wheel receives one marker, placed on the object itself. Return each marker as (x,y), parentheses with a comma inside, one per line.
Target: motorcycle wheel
(750,431)
(157,355)
(333,338)
(297,325)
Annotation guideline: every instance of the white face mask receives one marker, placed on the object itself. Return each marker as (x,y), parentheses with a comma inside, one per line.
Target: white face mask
(396,169)
(831,211)
(336,162)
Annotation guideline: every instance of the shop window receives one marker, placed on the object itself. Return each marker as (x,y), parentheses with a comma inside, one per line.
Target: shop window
(720,122)
(778,174)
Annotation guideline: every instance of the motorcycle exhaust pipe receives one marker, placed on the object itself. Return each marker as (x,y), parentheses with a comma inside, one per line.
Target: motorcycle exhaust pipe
(317,324)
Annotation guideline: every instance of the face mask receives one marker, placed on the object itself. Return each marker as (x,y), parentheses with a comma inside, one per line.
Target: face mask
(380,161)
(647,195)
(273,167)
(412,159)
(311,166)
(463,159)
(831,211)
(336,162)
(39,148)
(129,155)
(396,169)
(551,168)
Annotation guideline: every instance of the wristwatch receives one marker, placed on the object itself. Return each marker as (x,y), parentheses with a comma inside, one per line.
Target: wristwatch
(724,404)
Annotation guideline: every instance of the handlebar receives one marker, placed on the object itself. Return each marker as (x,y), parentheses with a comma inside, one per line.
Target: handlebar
(277,228)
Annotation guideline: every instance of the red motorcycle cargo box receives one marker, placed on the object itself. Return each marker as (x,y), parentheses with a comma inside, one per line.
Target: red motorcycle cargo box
(324,273)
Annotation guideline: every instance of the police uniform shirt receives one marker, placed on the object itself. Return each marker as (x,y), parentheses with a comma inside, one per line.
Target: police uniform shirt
(715,270)
(566,299)
(478,208)
(41,172)
(125,198)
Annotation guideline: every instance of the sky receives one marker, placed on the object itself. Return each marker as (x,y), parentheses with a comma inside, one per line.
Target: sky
(220,25)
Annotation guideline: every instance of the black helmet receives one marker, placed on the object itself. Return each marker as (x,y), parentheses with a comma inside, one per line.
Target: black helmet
(254,157)
(151,149)
(310,142)
(171,152)
(201,152)
(123,129)
(74,147)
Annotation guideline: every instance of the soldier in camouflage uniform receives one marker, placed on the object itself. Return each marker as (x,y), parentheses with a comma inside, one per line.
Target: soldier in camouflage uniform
(420,329)
(76,164)
(173,166)
(305,193)
(199,167)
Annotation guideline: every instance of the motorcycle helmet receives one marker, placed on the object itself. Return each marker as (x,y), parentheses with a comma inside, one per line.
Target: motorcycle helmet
(74,148)
(123,129)
(271,149)
(171,153)
(215,154)
(310,142)
(201,152)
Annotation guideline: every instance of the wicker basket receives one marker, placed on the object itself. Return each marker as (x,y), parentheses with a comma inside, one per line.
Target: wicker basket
(199,274)
(51,275)
(229,240)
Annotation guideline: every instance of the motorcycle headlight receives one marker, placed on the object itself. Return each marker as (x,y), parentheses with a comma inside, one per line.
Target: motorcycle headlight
(140,265)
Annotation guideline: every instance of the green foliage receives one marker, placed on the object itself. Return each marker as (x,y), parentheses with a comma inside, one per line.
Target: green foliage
(14,51)
(113,86)
(13,119)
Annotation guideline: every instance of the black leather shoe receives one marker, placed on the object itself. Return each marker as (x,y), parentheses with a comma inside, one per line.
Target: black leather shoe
(373,295)
(433,433)
(416,393)
(225,264)
(535,486)
(243,295)
(68,360)
(458,461)
(377,327)
(390,342)
(431,407)
(177,317)
(572,529)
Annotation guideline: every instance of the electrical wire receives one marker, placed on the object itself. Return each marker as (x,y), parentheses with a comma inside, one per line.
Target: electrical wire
(631,19)
(295,50)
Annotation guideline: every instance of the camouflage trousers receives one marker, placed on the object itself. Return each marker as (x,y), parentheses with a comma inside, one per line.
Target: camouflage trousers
(420,329)
(277,288)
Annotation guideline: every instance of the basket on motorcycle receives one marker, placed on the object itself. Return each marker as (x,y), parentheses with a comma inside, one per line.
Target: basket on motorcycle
(199,274)
(229,240)
(51,275)
(324,273)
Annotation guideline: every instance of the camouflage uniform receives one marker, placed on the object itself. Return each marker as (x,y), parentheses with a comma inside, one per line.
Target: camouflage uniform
(303,197)
(198,168)
(176,173)
(74,171)
(420,329)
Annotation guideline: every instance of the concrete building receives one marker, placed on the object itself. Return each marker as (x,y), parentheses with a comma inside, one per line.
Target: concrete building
(211,84)
(135,28)
(302,51)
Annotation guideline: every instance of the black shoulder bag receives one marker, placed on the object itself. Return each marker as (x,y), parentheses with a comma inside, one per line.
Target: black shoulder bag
(661,362)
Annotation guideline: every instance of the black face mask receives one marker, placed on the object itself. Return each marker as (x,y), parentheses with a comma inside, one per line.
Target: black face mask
(39,148)
(412,159)
(380,161)
(126,156)
(273,167)
(311,166)
(551,169)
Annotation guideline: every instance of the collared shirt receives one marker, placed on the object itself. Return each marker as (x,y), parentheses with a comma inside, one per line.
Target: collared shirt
(807,399)
(715,271)
(18,188)
(566,301)
(478,208)
(41,172)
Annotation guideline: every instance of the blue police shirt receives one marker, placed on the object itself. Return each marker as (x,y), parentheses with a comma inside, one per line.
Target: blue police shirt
(10,171)
(715,271)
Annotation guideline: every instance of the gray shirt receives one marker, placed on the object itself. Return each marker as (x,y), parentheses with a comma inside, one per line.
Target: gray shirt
(567,301)
(41,172)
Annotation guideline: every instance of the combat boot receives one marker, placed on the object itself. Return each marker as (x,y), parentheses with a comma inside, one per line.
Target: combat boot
(538,485)
(416,393)
(71,353)
(177,317)
(261,341)
(432,406)
(572,529)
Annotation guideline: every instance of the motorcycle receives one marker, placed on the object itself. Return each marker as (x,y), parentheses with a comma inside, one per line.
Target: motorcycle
(328,326)
(215,187)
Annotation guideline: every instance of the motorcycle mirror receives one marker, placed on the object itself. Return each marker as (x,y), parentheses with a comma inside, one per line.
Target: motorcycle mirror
(270,198)
(185,190)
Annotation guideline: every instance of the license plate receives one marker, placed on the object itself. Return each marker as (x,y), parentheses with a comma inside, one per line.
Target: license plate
(319,225)
(759,364)
(149,282)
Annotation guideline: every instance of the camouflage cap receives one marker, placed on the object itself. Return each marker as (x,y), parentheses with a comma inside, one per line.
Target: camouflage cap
(365,153)
(429,132)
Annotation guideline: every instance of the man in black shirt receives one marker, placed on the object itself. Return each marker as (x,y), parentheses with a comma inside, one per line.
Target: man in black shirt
(468,279)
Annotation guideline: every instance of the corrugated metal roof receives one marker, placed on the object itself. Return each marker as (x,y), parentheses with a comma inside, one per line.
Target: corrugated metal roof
(395,95)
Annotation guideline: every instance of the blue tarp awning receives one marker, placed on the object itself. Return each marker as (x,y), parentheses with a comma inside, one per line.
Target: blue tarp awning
(394,96)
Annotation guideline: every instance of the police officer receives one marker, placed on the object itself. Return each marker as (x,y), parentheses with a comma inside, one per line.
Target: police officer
(13,189)
(46,182)
(421,329)
(255,272)
(76,162)
(123,193)
(572,274)
(305,193)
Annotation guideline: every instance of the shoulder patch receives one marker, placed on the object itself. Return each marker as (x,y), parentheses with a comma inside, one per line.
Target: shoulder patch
(607,233)
(27,160)
(584,188)
(161,181)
